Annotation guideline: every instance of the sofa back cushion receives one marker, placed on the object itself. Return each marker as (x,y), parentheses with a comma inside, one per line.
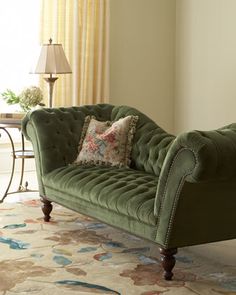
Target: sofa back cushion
(150,143)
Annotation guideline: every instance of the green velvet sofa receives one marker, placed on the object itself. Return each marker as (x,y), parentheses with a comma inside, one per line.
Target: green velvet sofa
(179,191)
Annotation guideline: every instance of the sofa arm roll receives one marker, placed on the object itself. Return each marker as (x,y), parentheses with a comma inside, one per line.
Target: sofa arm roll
(55,135)
(197,156)
(214,152)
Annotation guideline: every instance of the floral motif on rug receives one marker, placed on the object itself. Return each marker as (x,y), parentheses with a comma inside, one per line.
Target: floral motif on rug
(74,254)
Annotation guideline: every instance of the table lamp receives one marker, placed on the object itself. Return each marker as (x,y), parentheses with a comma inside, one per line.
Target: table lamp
(52,60)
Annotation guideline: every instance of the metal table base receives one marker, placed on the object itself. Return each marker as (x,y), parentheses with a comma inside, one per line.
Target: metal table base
(16,154)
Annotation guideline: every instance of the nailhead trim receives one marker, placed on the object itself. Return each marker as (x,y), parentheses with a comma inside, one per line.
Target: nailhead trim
(177,193)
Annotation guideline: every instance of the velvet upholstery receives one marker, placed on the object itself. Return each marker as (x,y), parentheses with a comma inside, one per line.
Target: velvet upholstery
(122,190)
(178,191)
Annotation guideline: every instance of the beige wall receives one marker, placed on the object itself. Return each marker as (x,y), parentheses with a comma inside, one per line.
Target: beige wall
(142,57)
(205,94)
(175,60)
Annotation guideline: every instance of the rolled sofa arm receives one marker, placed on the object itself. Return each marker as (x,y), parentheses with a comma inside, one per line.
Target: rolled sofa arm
(202,158)
(54,134)
(198,156)
(214,152)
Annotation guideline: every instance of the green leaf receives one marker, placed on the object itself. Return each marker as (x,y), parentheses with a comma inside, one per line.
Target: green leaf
(10,97)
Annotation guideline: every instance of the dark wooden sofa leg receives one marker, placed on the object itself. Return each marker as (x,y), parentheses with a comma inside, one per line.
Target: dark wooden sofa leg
(168,262)
(46,208)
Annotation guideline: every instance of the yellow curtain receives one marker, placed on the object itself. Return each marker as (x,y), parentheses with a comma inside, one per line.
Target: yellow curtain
(82,27)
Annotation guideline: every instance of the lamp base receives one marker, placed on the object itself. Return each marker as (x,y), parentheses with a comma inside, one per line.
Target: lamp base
(50,81)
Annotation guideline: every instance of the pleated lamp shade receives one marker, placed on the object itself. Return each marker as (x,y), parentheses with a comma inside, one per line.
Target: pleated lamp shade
(52,60)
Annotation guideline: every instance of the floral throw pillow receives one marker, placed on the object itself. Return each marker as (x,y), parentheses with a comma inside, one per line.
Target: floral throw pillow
(107,143)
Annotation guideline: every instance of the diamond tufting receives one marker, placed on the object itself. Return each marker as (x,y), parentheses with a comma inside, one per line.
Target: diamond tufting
(122,190)
(150,142)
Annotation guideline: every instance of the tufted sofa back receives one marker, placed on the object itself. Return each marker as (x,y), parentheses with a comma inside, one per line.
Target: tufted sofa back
(58,131)
(150,144)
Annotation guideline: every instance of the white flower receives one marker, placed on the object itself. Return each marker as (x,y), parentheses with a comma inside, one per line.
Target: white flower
(30,97)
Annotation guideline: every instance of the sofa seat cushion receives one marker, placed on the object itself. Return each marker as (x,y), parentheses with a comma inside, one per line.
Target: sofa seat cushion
(123,190)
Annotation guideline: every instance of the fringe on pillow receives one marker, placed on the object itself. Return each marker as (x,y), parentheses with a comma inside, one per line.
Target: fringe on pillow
(99,163)
(129,144)
(84,131)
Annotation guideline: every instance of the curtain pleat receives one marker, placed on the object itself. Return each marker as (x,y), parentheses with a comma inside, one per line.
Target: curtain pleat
(82,27)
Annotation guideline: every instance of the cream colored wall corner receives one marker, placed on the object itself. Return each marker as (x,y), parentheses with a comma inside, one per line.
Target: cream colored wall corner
(142,49)
(205,93)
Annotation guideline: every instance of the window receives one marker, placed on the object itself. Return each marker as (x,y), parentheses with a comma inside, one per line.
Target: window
(19,37)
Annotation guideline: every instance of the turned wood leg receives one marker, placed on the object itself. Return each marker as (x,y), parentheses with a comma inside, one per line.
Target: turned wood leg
(168,262)
(46,208)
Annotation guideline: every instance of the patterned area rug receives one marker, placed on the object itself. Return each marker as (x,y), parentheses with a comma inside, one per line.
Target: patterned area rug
(74,254)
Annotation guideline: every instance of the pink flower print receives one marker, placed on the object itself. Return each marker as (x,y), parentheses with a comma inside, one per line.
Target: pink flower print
(99,129)
(91,145)
(109,137)
(89,138)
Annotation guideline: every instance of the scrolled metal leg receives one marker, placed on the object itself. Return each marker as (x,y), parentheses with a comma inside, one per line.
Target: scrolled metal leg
(168,262)
(20,187)
(13,164)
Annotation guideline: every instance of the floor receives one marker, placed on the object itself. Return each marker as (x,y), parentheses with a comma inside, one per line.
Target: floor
(30,177)
(215,251)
